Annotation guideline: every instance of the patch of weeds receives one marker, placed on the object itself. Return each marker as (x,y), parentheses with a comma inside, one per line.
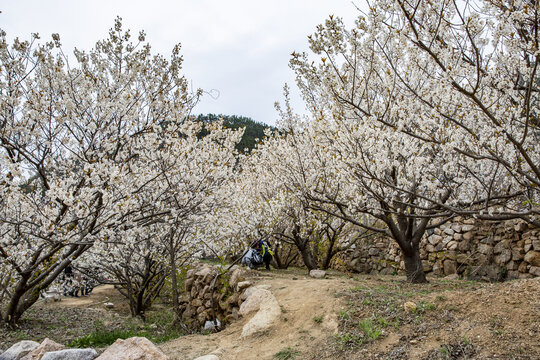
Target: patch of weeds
(370,330)
(444,351)
(459,350)
(380,289)
(440,298)
(20,335)
(101,338)
(423,306)
(347,340)
(382,322)
(367,302)
(286,354)
(359,288)
(283,310)
(318,319)
(344,314)
(157,329)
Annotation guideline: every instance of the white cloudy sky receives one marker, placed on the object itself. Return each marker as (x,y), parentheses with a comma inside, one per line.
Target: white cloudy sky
(240,48)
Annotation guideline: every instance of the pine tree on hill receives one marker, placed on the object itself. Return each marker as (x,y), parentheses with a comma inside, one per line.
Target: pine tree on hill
(254,129)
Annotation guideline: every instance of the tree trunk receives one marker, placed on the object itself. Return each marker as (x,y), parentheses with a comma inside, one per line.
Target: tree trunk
(174,286)
(307,257)
(12,315)
(413,266)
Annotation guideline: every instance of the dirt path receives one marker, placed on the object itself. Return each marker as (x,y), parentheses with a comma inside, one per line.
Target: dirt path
(302,299)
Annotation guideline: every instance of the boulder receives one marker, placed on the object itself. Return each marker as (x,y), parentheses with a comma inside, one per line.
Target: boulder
(317,274)
(46,346)
(268,313)
(71,354)
(250,290)
(18,350)
(134,348)
(533,258)
(254,300)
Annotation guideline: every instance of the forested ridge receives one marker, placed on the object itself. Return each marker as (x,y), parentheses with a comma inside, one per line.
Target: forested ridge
(254,130)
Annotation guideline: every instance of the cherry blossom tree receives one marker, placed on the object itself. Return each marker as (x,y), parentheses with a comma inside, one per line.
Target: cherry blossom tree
(372,170)
(71,143)
(423,111)
(481,62)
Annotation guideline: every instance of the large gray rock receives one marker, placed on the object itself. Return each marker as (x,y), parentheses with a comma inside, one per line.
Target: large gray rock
(18,350)
(268,313)
(250,290)
(71,354)
(46,346)
(317,274)
(134,348)
(254,300)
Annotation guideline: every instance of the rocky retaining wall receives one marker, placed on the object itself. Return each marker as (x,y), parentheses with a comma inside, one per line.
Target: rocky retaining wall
(470,248)
(196,302)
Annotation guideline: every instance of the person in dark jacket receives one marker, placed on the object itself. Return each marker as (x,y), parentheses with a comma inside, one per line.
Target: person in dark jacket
(266,251)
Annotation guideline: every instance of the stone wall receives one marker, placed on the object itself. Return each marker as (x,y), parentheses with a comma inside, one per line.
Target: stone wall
(470,248)
(196,303)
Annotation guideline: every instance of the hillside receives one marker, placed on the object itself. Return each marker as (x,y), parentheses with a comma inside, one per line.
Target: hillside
(254,130)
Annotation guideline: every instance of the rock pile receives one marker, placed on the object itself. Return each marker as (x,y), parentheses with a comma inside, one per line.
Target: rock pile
(196,303)
(467,247)
(135,348)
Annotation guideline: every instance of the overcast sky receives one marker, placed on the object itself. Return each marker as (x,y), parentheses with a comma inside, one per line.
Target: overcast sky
(238,50)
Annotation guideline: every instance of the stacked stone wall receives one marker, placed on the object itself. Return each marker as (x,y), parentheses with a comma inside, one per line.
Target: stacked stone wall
(467,247)
(196,302)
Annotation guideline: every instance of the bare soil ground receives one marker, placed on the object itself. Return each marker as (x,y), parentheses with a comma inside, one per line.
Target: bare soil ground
(76,317)
(340,317)
(364,318)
